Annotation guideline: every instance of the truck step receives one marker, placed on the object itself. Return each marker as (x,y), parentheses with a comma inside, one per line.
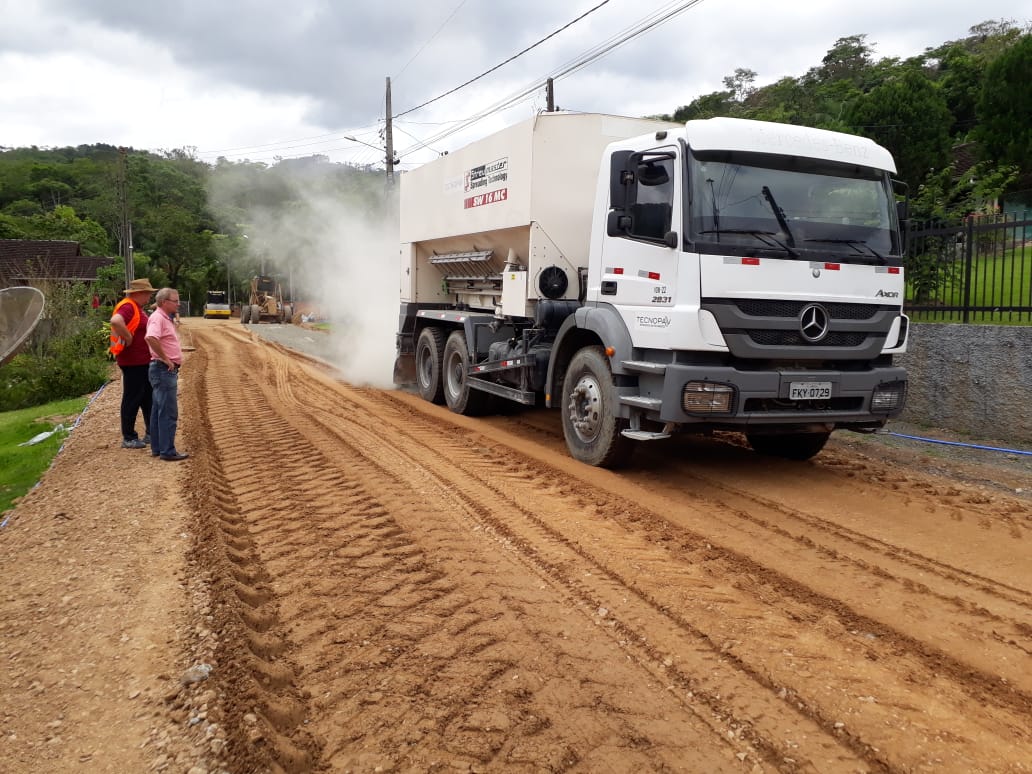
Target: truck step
(644,367)
(640,401)
(643,435)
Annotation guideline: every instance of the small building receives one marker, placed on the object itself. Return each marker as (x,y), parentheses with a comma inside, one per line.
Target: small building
(31,261)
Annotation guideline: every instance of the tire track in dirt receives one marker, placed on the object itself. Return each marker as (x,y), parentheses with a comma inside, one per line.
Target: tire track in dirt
(926,659)
(457,677)
(960,595)
(407,536)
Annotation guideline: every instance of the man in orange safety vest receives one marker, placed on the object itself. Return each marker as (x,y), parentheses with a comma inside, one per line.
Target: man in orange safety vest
(128,345)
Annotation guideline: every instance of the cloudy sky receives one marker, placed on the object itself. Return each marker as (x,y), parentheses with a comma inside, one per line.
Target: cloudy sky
(261,79)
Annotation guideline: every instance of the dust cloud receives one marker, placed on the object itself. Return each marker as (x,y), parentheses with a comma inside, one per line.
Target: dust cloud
(330,235)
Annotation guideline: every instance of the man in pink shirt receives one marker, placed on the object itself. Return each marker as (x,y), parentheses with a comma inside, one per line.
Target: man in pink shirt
(166,358)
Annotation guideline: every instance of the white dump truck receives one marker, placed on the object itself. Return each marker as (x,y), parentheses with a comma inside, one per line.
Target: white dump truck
(646,278)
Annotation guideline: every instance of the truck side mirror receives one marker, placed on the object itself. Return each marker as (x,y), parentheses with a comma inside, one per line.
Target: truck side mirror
(618,179)
(902,190)
(671,239)
(903,212)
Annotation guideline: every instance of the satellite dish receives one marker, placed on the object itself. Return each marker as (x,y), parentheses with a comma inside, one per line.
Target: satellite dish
(20,312)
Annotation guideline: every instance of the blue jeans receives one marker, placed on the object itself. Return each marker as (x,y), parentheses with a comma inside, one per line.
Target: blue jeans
(164,408)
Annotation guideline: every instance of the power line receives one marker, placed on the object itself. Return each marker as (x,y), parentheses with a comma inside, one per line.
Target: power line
(646,24)
(431,38)
(421,143)
(656,18)
(643,25)
(502,64)
(246,150)
(248,147)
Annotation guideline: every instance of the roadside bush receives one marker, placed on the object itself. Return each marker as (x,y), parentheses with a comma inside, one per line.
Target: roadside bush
(67,356)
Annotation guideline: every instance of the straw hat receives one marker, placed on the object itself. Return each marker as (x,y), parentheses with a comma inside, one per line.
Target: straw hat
(140,286)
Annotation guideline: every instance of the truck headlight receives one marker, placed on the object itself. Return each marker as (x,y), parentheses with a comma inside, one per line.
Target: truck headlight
(889,397)
(707,398)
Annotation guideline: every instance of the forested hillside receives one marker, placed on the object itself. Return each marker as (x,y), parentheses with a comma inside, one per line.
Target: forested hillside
(966,100)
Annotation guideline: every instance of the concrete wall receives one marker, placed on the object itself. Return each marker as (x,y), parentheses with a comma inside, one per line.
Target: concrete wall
(975,379)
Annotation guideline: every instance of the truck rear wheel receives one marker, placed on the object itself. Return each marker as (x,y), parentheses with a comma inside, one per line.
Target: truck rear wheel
(429,359)
(791,446)
(590,424)
(245,314)
(459,396)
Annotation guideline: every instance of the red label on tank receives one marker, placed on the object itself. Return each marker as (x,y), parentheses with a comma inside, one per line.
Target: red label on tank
(486,198)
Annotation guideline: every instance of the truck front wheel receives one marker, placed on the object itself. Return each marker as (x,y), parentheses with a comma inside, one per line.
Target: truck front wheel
(245,314)
(590,424)
(791,446)
(457,393)
(429,357)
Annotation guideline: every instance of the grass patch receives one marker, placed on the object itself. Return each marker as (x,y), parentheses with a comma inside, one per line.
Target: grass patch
(999,280)
(22,466)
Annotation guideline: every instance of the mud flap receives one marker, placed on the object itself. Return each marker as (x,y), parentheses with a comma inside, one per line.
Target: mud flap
(405,369)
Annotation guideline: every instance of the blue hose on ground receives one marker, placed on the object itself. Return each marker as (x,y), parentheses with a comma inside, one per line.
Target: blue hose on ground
(956,443)
(78,419)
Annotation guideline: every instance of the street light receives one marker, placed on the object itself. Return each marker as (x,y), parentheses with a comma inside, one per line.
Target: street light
(386,159)
(363,142)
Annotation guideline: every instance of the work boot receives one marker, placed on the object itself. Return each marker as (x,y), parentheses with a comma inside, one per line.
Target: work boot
(133,443)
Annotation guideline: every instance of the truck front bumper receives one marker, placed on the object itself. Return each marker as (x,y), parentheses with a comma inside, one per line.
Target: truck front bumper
(693,394)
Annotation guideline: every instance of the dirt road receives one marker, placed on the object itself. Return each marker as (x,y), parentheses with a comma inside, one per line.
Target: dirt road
(391,587)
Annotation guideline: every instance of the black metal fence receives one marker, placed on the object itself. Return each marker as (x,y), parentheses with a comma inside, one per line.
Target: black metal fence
(977,271)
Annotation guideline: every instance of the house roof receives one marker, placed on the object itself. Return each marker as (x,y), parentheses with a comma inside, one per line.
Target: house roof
(25,260)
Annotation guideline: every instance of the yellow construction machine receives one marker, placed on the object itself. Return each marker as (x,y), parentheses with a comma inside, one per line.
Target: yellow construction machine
(266,303)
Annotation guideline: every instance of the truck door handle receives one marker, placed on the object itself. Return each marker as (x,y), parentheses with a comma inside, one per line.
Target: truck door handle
(608,288)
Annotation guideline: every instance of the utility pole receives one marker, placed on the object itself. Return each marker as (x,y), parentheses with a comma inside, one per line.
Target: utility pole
(390,138)
(549,96)
(125,230)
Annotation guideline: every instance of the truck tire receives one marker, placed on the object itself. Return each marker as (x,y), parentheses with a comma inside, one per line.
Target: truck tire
(245,314)
(590,425)
(256,314)
(459,396)
(791,446)
(429,360)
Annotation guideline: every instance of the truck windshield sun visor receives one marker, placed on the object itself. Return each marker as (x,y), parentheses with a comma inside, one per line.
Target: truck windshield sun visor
(800,208)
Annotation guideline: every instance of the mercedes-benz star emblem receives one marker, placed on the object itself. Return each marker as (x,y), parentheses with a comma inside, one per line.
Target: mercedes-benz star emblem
(813,323)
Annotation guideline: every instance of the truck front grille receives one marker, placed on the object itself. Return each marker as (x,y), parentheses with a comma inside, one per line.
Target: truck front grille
(776,338)
(792,309)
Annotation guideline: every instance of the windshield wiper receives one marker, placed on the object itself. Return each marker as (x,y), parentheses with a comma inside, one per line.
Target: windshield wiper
(713,200)
(855,244)
(767,237)
(779,214)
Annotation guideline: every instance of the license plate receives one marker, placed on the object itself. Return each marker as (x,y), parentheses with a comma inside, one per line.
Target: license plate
(809,390)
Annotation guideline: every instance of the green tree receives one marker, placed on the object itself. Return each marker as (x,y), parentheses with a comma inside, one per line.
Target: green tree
(740,84)
(847,60)
(961,76)
(1005,105)
(717,103)
(908,115)
(63,223)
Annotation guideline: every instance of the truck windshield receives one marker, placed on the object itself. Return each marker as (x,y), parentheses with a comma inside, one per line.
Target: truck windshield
(742,202)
